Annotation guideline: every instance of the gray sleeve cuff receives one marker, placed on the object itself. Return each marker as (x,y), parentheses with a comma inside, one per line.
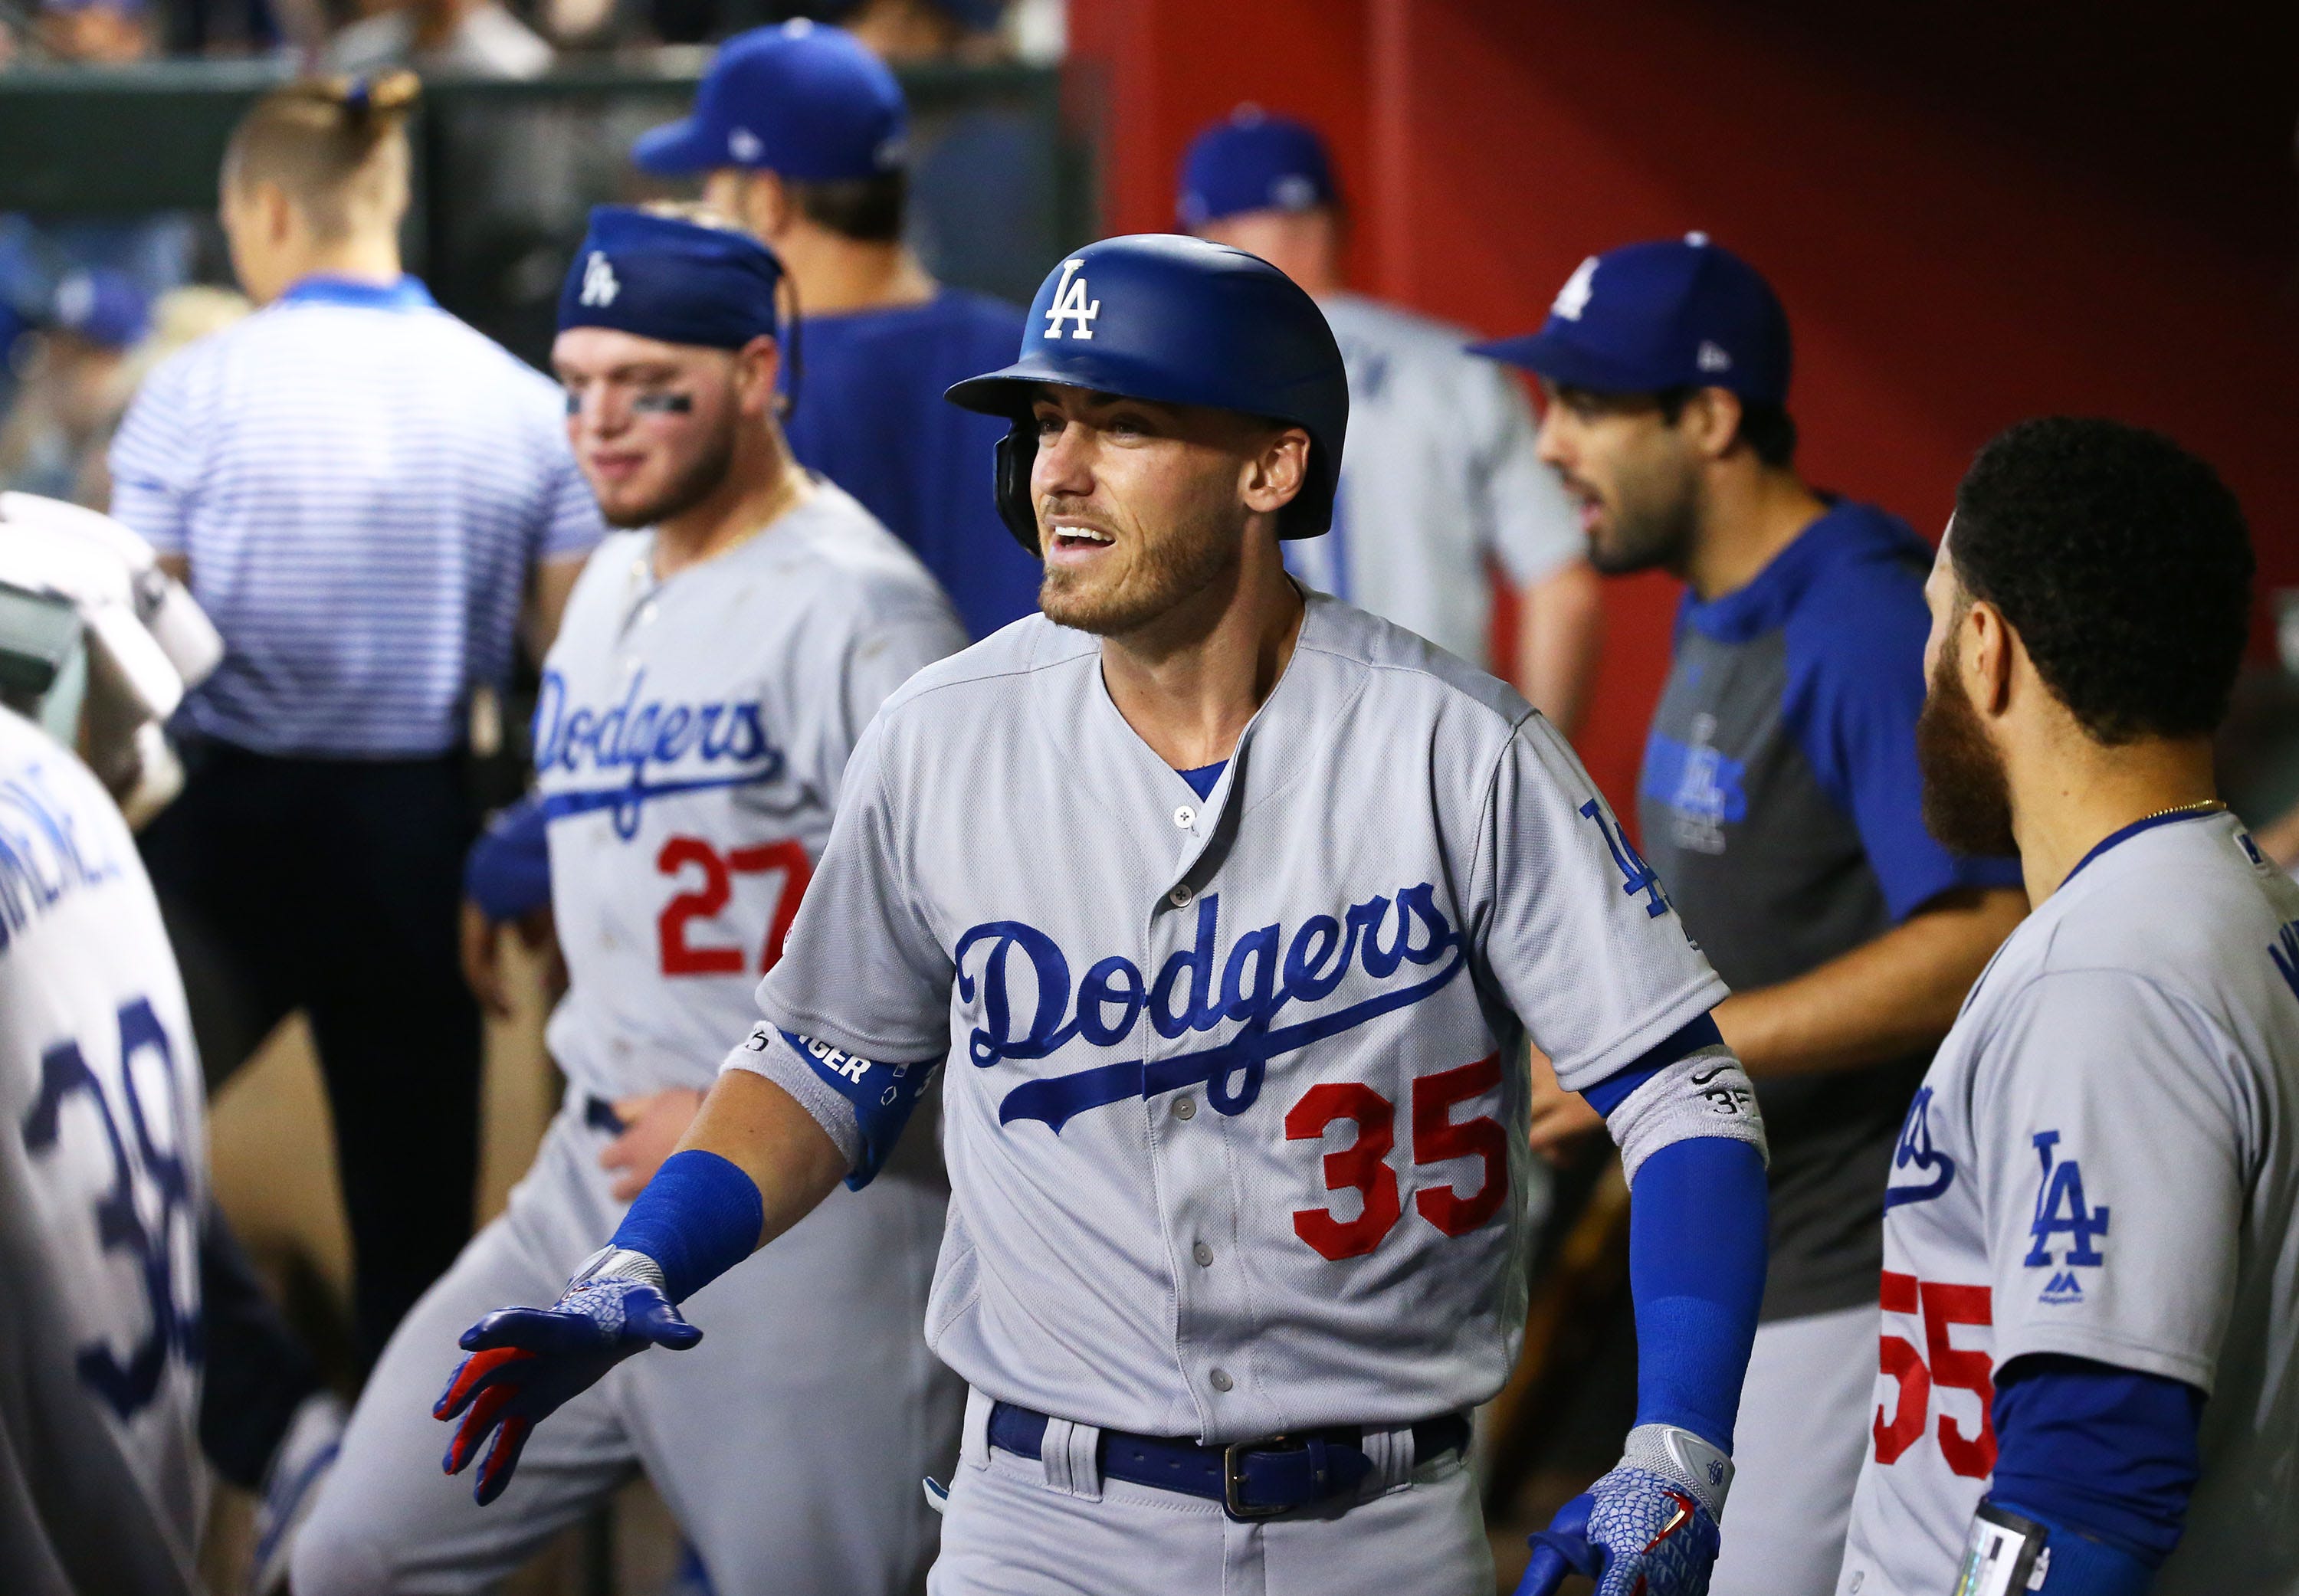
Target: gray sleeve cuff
(1703,1093)
(765,1053)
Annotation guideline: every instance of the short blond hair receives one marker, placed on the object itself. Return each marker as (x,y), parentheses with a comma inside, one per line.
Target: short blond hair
(334,146)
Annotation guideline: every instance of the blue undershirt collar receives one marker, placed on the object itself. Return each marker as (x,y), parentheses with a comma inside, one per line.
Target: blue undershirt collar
(408,294)
(2133,830)
(1201,780)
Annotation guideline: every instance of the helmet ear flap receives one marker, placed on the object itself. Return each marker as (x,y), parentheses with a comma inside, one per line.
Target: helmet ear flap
(1017,451)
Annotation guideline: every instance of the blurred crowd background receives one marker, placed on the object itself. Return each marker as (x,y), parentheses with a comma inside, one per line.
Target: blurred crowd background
(1975,210)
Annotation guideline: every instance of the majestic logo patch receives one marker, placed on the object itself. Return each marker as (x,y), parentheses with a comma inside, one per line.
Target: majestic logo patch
(600,283)
(1071,305)
(1916,1151)
(1199,989)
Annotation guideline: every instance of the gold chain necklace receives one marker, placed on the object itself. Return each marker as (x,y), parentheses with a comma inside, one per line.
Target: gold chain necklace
(2201,807)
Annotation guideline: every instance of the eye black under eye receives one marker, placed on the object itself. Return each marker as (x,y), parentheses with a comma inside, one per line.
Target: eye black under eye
(663,404)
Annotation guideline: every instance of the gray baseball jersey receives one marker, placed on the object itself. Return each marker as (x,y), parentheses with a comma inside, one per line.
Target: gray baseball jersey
(1441,480)
(2104,1162)
(1232,1148)
(690,739)
(103,1173)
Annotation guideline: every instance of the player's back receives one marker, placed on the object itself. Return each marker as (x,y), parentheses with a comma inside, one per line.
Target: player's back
(871,416)
(103,1174)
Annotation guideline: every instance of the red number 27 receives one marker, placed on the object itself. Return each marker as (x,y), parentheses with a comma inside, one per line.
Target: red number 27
(1363,1166)
(707,901)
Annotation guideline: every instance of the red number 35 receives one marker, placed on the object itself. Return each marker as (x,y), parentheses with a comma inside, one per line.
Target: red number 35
(1363,1166)
(707,901)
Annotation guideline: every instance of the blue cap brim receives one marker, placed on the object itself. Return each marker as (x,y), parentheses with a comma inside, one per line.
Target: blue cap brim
(675,150)
(1565,363)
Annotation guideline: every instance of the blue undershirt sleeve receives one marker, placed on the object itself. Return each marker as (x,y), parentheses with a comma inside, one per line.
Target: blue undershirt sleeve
(508,871)
(1697,1222)
(2107,1453)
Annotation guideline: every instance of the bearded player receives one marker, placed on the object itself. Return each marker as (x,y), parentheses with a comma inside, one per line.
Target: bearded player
(715,667)
(2090,1240)
(1221,904)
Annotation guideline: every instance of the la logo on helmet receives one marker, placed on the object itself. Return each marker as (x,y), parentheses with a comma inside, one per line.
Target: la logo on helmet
(1070,304)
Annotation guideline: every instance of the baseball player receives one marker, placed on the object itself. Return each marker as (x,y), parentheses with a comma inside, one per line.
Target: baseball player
(2087,1381)
(1217,905)
(801,135)
(1781,801)
(715,665)
(103,1146)
(1444,485)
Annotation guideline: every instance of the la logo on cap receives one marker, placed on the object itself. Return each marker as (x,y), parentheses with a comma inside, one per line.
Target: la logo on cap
(1573,297)
(600,285)
(1070,304)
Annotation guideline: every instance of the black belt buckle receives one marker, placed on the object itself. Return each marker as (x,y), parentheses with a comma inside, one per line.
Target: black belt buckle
(1233,1455)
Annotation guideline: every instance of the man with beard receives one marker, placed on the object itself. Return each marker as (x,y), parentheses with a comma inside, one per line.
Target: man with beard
(1779,803)
(1225,904)
(719,658)
(2093,1228)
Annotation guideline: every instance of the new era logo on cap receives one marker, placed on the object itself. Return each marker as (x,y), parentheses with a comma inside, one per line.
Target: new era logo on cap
(1713,357)
(744,145)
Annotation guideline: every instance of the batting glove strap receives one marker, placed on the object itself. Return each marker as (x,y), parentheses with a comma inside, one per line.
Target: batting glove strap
(1683,1459)
(611,1262)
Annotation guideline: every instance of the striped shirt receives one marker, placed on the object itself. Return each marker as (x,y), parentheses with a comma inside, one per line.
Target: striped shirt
(360,482)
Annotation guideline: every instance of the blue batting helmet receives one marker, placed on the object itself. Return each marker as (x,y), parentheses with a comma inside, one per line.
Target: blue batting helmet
(1175,320)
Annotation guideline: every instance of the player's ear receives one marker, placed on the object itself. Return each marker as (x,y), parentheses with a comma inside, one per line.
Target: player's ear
(758,365)
(1712,417)
(1988,658)
(1277,473)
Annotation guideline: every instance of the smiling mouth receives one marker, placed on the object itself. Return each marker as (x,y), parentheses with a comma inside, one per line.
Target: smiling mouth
(1079,540)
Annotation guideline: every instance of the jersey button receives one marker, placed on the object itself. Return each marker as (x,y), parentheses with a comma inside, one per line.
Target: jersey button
(1185,818)
(1179,896)
(1204,1255)
(1186,1108)
(1219,1380)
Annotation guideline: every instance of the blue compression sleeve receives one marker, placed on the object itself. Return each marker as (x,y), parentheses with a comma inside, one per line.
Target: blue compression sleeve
(1696,1220)
(698,1218)
(2101,1451)
(508,871)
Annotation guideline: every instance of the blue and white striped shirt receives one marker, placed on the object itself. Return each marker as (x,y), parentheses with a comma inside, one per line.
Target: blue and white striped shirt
(360,482)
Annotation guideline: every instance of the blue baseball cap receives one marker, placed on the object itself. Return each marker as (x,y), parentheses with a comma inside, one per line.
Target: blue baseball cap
(1671,314)
(1254,161)
(100,305)
(803,99)
(662,277)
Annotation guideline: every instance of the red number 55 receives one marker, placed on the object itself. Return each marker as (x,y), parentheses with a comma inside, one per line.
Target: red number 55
(1363,1166)
(1940,1363)
(707,901)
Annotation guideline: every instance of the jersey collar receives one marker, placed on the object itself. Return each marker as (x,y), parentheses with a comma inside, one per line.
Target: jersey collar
(408,294)
(2128,833)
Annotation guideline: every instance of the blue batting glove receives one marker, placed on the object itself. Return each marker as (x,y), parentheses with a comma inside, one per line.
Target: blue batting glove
(1649,1528)
(524,1362)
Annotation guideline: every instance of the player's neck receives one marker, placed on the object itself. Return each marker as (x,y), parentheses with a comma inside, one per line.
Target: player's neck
(1746,518)
(832,273)
(763,484)
(2070,794)
(1190,681)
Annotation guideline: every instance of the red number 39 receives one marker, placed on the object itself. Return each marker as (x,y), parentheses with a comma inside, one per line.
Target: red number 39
(1363,1166)
(709,898)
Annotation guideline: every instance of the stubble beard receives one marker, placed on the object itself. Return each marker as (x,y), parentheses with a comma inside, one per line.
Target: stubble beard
(1967,791)
(704,476)
(1651,535)
(1161,574)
